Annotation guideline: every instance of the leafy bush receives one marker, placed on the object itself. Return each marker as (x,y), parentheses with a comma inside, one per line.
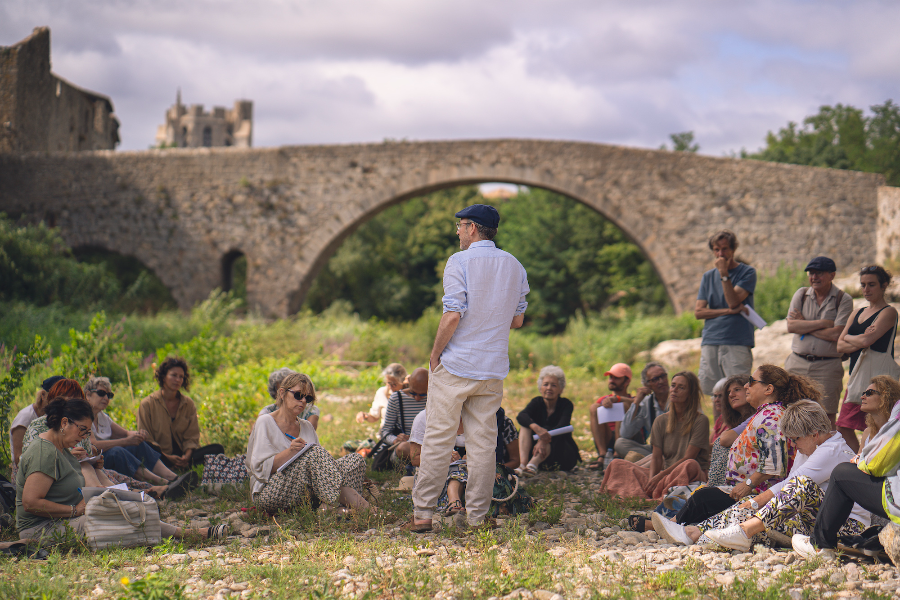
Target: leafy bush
(774,291)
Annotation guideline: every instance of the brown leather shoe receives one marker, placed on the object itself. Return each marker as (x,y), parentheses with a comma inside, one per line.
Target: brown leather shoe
(414,527)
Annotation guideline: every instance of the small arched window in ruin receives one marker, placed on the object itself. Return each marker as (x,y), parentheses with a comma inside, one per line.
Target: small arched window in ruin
(207,137)
(234,273)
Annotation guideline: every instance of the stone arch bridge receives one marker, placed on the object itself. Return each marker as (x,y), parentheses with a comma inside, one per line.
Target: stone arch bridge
(187,213)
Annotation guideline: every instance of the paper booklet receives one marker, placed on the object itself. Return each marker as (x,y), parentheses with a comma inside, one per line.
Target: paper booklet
(295,457)
(121,491)
(752,316)
(560,431)
(91,459)
(611,415)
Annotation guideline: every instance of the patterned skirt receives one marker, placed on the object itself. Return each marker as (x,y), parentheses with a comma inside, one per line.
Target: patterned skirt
(317,474)
(792,510)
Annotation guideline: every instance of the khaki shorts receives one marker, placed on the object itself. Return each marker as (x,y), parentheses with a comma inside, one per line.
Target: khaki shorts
(718,362)
(827,373)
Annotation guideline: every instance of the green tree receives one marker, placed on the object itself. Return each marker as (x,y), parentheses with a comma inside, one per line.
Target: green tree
(841,137)
(577,261)
(682,142)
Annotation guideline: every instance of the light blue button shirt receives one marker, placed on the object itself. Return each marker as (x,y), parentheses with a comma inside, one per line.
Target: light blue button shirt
(487,287)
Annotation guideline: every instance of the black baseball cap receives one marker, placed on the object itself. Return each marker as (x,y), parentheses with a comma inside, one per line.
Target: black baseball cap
(48,383)
(484,215)
(821,263)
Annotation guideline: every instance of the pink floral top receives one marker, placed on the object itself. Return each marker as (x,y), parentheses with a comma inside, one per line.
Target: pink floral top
(761,448)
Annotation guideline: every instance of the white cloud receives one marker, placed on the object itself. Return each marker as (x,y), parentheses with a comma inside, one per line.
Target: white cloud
(345,71)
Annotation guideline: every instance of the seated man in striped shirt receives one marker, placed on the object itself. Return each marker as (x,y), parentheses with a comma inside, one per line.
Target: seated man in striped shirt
(402,408)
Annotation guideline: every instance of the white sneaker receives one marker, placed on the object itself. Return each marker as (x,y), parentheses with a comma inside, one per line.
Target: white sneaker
(671,531)
(804,548)
(731,537)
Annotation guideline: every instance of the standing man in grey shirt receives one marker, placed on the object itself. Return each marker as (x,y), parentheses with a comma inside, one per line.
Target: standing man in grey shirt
(484,297)
(816,317)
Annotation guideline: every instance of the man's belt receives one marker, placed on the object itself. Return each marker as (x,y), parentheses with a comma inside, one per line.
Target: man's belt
(813,358)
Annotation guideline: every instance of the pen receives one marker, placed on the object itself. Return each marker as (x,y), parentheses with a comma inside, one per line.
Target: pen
(290,436)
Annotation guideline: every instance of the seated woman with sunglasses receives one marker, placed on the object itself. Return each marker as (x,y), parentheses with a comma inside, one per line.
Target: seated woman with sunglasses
(170,418)
(311,413)
(312,477)
(49,479)
(126,451)
(761,456)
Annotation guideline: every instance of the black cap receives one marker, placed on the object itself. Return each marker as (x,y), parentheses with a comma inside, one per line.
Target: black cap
(484,215)
(48,383)
(821,263)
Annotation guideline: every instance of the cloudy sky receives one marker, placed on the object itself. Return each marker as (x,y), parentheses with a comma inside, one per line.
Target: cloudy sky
(335,71)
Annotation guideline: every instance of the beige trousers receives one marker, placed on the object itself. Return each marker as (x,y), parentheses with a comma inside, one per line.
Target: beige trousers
(451,398)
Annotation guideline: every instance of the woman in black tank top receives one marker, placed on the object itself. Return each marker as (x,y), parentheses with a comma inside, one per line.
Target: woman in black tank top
(876,329)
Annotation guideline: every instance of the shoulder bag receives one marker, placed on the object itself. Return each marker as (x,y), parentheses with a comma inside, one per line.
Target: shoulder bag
(381,453)
(121,522)
(871,364)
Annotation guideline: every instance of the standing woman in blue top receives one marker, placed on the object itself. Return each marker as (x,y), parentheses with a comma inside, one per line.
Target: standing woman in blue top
(725,291)
(484,297)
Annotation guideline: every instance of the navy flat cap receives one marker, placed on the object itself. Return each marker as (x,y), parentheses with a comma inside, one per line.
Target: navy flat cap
(821,263)
(484,215)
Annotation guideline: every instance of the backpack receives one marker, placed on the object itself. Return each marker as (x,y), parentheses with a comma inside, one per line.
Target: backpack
(381,453)
(508,496)
(7,503)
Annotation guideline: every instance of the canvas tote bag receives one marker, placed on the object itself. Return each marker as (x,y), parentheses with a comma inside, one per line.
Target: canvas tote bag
(869,365)
(125,523)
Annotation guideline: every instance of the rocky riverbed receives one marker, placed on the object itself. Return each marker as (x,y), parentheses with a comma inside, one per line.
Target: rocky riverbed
(583,553)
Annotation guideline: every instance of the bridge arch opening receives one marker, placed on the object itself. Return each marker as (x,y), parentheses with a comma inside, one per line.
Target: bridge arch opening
(580,261)
(234,273)
(141,289)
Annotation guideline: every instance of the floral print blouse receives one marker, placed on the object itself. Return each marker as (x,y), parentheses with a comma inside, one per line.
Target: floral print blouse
(761,448)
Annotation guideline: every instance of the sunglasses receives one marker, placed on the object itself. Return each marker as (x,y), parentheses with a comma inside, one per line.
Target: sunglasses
(104,394)
(868,393)
(752,381)
(662,377)
(415,395)
(301,396)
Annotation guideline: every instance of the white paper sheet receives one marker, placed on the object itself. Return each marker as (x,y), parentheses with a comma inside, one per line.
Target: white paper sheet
(295,457)
(611,415)
(560,431)
(754,318)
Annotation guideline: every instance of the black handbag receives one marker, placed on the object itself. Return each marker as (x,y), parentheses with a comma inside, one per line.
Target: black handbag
(381,453)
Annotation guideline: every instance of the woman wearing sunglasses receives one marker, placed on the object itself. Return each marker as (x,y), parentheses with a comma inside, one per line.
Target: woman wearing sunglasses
(312,477)
(127,452)
(170,418)
(872,330)
(49,480)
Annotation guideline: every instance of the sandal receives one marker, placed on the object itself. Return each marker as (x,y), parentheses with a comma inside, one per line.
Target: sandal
(596,465)
(530,470)
(455,507)
(637,523)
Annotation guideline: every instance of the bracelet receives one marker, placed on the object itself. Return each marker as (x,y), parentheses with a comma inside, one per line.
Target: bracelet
(73,512)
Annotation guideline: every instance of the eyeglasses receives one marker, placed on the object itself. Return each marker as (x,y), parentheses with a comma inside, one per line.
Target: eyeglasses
(82,430)
(658,378)
(868,393)
(415,395)
(872,269)
(752,381)
(104,394)
(461,223)
(301,396)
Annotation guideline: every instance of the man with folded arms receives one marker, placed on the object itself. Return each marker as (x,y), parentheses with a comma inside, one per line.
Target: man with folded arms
(816,317)
(484,297)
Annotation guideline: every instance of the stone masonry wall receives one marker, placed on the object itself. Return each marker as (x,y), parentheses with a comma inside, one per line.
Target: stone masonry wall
(288,209)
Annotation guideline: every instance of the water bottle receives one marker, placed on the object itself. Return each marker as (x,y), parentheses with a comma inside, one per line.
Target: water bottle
(609,457)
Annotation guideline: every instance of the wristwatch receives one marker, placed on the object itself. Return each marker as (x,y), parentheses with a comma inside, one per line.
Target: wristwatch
(754,504)
(749,482)
(724,277)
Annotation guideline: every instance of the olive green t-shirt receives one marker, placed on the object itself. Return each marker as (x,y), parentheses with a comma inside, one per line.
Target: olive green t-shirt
(43,457)
(675,444)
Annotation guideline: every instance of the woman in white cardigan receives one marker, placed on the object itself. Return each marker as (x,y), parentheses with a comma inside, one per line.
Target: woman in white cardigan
(313,477)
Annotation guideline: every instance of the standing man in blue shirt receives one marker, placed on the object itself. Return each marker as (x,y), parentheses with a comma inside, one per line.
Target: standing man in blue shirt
(484,297)
(725,291)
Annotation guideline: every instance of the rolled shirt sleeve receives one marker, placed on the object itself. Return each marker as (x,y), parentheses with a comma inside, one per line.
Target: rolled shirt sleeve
(455,296)
(523,304)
